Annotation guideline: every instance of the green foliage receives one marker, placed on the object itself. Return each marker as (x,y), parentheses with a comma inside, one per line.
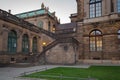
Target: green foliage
(98,72)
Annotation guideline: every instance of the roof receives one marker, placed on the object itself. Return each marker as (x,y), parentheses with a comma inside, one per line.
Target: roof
(66,26)
(33,13)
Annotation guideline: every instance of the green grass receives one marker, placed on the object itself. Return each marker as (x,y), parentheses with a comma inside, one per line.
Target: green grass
(99,72)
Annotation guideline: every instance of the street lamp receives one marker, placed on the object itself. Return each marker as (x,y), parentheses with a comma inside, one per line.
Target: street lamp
(44,43)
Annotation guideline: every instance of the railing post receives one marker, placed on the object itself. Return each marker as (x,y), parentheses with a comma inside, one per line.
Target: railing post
(24,73)
(61,77)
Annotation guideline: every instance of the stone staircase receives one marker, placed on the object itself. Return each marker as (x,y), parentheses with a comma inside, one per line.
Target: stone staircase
(20,22)
(61,37)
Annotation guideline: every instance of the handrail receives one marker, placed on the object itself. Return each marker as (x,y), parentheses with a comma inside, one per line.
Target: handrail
(62,40)
(64,31)
(14,19)
(48,47)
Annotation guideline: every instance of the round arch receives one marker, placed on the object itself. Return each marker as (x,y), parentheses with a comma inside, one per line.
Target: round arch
(95,38)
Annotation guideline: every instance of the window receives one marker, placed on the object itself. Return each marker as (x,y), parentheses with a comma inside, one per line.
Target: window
(118,5)
(49,24)
(95,8)
(112,5)
(25,43)
(96,40)
(40,24)
(34,47)
(12,41)
(118,34)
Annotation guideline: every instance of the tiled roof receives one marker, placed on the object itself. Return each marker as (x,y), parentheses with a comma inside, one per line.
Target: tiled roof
(33,13)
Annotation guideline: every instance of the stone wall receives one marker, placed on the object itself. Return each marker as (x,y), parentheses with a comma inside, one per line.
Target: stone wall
(63,53)
(5,56)
(110,48)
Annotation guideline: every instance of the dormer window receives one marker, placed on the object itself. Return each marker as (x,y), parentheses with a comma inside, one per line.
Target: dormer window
(95,8)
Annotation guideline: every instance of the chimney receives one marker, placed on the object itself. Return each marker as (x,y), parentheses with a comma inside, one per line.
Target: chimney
(9,11)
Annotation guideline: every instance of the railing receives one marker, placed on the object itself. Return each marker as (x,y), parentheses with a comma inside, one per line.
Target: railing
(13,19)
(66,31)
(48,47)
(52,75)
(62,40)
(68,40)
(13,53)
(33,71)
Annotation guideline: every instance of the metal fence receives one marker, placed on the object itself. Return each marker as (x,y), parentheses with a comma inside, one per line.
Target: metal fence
(51,75)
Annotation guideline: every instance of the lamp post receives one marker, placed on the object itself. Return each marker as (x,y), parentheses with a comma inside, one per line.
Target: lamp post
(44,45)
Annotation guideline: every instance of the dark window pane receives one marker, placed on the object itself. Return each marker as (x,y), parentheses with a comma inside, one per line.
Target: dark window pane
(12,41)
(34,47)
(25,43)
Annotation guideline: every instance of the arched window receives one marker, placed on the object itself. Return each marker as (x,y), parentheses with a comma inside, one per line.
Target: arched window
(40,24)
(118,34)
(118,5)
(34,46)
(95,8)
(12,41)
(25,43)
(96,40)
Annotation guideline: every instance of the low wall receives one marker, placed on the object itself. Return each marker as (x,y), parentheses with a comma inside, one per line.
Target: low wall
(99,61)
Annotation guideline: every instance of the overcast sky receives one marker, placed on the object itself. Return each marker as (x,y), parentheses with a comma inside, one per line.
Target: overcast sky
(63,8)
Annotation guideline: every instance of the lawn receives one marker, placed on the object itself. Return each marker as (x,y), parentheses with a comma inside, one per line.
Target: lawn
(98,72)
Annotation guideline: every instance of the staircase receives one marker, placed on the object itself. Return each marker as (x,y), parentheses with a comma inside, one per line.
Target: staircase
(59,38)
(41,59)
(20,22)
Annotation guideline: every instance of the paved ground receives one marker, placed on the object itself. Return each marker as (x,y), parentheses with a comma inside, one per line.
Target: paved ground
(8,73)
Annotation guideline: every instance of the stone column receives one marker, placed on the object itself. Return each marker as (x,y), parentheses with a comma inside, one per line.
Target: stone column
(1,32)
(39,45)
(80,9)
(5,39)
(30,44)
(19,40)
(19,44)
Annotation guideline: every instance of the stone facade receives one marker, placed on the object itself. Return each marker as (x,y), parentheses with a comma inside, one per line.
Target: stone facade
(63,53)
(108,24)
(42,18)
(93,39)
(9,23)
(6,27)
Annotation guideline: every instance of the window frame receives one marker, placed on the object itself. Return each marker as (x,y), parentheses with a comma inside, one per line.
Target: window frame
(95,13)
(12,42)
(25,43)
(34,45)
(118,6)
(98,45)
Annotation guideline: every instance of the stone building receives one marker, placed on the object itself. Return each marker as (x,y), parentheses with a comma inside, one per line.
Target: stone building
(22,41)
(93,36)
(98,30)
(42,18)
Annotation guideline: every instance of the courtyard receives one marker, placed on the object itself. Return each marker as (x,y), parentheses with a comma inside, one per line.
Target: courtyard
(83,71)
(9,73)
